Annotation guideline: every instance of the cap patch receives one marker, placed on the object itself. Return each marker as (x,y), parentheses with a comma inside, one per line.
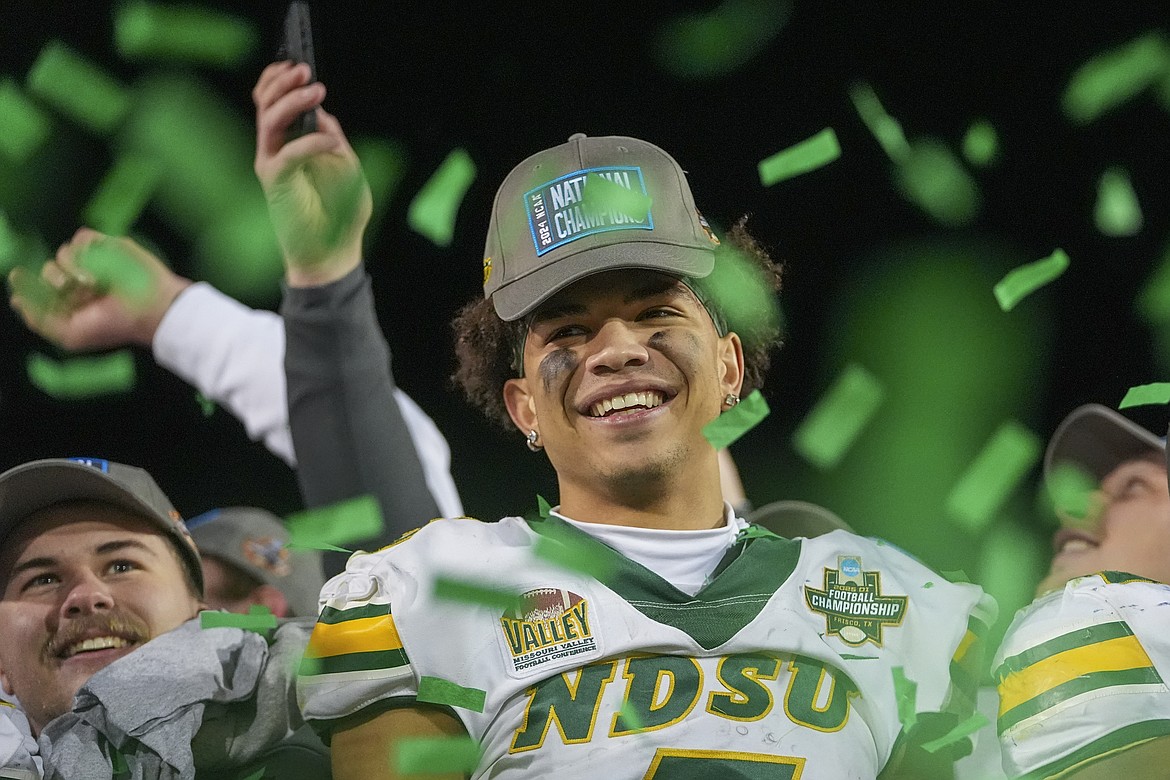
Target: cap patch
(581,203)
(100,464)
(268,554)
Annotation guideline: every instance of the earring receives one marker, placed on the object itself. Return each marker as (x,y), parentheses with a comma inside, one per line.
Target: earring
(531,440)
(730,400)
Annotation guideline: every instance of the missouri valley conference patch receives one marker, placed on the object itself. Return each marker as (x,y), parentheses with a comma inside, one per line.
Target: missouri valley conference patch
(853,604)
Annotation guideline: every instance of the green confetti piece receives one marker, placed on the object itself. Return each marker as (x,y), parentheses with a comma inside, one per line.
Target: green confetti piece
(434,755)
(740,290)
(10,243)
(1069,490)
(476,594)
(837,419)
(1117,212)
(1153,302)
(632,720)
(259,623)
(118,765)
(981,144)
(1146,395)
(718,42)
(601,194)
(435,690)
(257,775)
(927,585)
(569,553)
(886,129)
(932,177)
(808,155)
(206,405)
(182,33)
(991,477)
(23,126)
(1023,281)
(906,693)
(384,163)
(122,194)
(78,87)
(318,546)
(851,657)
(239,254)
(433,211)
(543,507)
(729,426)
(1114,77)
(337,524)
(961,730)
(83,377)
(114,268)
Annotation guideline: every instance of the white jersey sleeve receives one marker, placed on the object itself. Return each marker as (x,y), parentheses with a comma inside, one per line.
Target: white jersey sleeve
(1081,673)
(19,756)
(783,665)
(234,355)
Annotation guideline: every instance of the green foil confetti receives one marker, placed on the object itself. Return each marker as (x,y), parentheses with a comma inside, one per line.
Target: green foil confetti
(337,524)
(886,129)
(477,594)
(1115,77)
(1146,395)
(1021,282)
(808,155)
(729,426)
(981,144)
(78,88)
(995,472)
(82,377)
(259,622)
(182,33)
(435,690)
(1117,212)
(122,194)
(906,693)
(434,209)
(720,41)
(933,178)
(837,419)
(433,755)
(961,730)
(568,553)
(23,125)
(1069,489)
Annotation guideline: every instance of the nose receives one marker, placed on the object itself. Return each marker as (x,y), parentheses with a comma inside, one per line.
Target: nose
(86,596)
(616,346)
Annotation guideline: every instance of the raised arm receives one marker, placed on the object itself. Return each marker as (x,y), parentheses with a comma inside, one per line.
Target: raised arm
(349,437)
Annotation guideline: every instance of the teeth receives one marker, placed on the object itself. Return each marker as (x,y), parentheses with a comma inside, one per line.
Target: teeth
(96,643)
(646,398)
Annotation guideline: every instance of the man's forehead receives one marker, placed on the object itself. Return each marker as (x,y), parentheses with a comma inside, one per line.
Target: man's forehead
(631,285)
(75,519)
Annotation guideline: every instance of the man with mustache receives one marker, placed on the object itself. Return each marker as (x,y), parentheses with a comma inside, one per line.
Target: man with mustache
(100,587)
(1082,670)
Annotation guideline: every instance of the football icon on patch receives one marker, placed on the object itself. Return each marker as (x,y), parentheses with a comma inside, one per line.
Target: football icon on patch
(267,553)
(545,604)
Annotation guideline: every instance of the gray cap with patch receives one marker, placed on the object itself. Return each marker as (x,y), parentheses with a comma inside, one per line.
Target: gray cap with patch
(591,204)
(1096,439)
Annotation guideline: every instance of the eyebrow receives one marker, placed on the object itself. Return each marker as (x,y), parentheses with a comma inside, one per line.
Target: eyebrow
(670,287)
(105,548)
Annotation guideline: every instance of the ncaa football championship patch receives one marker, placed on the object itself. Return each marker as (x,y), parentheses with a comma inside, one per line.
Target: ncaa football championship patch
(853,604)
(549,625)
(581,203)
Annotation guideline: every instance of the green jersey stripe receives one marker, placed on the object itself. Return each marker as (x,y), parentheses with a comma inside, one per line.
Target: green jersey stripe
(332,616)
(353,662)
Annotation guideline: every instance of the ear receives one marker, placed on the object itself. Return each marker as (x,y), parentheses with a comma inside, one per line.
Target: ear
(731,362)
(270,597)
(521,405)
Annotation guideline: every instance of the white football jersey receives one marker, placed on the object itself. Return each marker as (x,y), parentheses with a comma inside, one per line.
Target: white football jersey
(781,666)
(1082,672)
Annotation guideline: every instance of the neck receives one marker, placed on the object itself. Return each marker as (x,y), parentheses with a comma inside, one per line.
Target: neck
(686,500)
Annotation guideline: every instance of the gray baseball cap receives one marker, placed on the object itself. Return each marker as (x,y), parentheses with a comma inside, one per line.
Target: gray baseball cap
(255,541)
(791,519)
(591,204)
(40,484)
(1096,439)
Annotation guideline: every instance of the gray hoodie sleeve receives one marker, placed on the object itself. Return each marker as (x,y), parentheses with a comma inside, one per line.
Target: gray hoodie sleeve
(348,433)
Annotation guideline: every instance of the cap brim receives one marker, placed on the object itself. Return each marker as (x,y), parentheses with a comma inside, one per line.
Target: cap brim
(791,519)
(521,296)
(1097,439)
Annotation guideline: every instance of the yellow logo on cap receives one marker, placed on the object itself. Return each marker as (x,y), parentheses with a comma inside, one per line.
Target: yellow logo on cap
(487,269)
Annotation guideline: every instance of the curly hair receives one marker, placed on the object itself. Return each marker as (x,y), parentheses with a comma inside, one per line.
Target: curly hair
(741,289)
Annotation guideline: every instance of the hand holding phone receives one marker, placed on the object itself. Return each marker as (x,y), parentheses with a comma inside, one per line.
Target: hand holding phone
(298,47)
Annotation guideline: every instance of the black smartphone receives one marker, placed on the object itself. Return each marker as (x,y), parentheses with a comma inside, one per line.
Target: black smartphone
(298,47)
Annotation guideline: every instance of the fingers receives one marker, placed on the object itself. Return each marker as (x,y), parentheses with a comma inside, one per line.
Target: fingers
(277,79)
(278,104)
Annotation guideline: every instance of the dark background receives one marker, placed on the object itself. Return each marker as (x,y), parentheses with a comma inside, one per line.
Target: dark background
(870,276)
